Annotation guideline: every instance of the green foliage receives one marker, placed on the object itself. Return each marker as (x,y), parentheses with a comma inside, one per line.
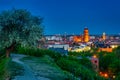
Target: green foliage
(20,26)
(114,67)
(118,77)
(117,51)
(2,52)
(86,53)
(67,64)
(46,67)
(86,62)
(4,68)
(77,69)
(81,68)
(83,61)
(30,51)
(54,55)
(37,52)
(109,62)
(106,60)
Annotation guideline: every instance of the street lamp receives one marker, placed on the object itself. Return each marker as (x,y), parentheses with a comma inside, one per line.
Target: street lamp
(94,56)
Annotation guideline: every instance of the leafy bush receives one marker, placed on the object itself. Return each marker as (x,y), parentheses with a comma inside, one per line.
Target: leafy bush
(83,61)
(4,70)
(105,60)
(118,77)
(37,52)
(30,51)
(77,69)
(2,52)
(86,53)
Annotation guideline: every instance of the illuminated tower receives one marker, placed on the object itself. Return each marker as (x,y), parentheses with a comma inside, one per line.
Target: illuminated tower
(104,36)
(86,35)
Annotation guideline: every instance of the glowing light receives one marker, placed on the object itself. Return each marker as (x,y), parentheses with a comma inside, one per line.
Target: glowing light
(106,75)
(94,56)
(100,72)
(114,46)
(114,76)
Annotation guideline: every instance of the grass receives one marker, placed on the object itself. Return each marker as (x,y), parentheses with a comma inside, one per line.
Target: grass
(52,67)
(4,68)
(9,69)
(15,69)
(46,67)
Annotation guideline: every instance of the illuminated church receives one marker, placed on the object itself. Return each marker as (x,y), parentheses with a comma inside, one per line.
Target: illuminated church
(104,36)
(82,38)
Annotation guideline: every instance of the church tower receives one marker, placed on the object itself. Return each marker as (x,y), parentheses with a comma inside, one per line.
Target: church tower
(86,35)
(104,36)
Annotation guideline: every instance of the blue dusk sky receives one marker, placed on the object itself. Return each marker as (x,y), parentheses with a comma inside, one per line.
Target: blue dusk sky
(71,16)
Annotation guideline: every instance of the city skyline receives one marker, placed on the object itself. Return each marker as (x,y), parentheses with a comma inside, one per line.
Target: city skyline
(63,16)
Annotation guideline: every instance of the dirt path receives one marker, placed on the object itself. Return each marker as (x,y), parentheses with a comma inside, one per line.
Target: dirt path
(28,73)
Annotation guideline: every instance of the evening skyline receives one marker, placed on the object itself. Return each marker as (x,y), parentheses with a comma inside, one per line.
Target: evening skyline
(71,16)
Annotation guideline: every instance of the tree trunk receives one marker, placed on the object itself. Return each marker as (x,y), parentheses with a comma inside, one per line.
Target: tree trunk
(7,53)
(9,49)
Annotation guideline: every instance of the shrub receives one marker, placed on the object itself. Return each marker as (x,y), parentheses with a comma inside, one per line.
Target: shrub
(73,66)
(84,53)
(30,51)
(4,70)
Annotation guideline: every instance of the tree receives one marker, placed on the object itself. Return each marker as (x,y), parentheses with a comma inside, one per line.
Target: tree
(114,67)
(19,26)
(117,51)
(106,59)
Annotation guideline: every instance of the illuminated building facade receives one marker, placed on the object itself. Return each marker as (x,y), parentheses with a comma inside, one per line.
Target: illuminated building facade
(86,35)
(105,49)
(77,39)
(104,36)
(82,38)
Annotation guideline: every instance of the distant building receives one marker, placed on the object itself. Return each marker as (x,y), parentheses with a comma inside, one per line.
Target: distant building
(77,39)
(82,38)
(114,44)
(102,46)
(64,46)
(60,48)
(92,37)
(80,48)
(86,35)
(104,36)
(53,37)
(105,49)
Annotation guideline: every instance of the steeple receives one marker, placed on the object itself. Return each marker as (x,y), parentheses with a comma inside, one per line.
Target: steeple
(104,36)
(86,35)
